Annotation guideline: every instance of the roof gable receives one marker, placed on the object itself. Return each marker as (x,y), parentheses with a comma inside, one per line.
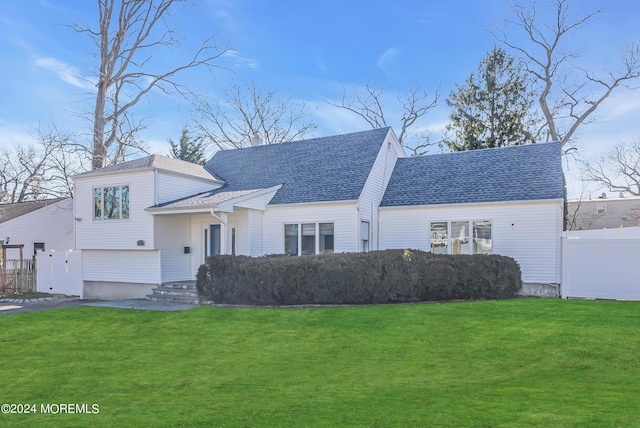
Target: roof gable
(211,199)
(157,162)
(518,173)
(323,169)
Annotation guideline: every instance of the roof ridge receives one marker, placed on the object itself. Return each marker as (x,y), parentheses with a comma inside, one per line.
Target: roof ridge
(306,140)
(519,146)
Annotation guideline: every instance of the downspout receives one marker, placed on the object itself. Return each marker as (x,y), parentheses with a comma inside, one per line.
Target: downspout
(384,187)
(560,258)
(213,213)
(358,223)
(155,203)
(377,223)
(223,231)
(155,187)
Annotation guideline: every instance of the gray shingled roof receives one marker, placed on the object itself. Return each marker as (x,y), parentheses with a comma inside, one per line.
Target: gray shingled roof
(156,162)
(520,173)
(206,199)
(315,170)
(15,210)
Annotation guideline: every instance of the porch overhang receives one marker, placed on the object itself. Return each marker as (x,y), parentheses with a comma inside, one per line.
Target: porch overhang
(218,201)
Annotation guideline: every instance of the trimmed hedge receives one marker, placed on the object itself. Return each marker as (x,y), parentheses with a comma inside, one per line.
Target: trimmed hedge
(389,276)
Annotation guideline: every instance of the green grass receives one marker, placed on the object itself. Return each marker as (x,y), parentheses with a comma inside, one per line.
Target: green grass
(528,362)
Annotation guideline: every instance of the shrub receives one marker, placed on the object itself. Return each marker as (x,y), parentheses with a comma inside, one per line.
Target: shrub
(357,278)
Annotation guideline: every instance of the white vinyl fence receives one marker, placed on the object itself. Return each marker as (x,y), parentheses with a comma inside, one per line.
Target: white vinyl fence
(60,272)
(601,264)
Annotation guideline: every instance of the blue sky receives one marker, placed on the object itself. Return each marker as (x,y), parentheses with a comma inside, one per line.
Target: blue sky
(302,49)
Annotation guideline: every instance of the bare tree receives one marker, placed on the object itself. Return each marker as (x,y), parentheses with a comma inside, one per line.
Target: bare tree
(581,218)
(618,169)
(369,105)
(40,170)
(246,111)
(129,34)
(566,104)
(579,214)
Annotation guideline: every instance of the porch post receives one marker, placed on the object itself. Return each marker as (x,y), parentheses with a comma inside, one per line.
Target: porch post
(223,233)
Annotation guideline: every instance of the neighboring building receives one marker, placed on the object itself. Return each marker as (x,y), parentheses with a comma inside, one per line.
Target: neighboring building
(36,225)
(603,213)
(155,220)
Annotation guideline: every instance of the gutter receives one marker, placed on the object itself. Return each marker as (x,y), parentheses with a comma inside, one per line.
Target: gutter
(213,213)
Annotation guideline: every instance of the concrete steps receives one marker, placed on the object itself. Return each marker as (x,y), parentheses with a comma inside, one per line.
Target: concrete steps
(176,292)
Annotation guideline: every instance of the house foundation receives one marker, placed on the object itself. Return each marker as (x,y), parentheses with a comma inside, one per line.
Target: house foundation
(532,289)
(103,290)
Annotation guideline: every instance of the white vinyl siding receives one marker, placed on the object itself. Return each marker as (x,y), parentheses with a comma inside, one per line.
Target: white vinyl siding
(239,220)
(376,184)
(174,186)
(255,233)
(343,216)
(142,267)
(120,234)
(172,235)
(528,232)
(51,225)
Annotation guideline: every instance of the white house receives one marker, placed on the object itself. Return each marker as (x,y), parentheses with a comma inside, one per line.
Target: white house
(43,225)
(505,201)
(155,220)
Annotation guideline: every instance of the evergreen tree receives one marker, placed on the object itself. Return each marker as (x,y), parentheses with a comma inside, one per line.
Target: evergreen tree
(188,150)
(494,108)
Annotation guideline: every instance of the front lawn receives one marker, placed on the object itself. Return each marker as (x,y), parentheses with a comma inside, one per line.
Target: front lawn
(527,362)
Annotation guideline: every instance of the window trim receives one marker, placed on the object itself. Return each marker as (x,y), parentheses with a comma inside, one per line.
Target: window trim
(40,247)
(299,225)
(364,243)
(470,224)
(120,204)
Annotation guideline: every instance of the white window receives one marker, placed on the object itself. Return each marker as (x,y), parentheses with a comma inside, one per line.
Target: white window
(461,237)
(111,203)
(482,243)
(439,237)
(308,238)
(38,246)
(364,236)
(601,209)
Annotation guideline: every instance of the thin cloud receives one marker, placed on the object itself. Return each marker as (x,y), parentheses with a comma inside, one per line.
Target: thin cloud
(321,65)
(429,18)
(12,134)
(387,60)
(622,103)
(238,60)
(333,120)
(65,72)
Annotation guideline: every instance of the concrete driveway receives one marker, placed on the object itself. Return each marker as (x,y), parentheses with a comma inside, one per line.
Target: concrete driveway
(8,308)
